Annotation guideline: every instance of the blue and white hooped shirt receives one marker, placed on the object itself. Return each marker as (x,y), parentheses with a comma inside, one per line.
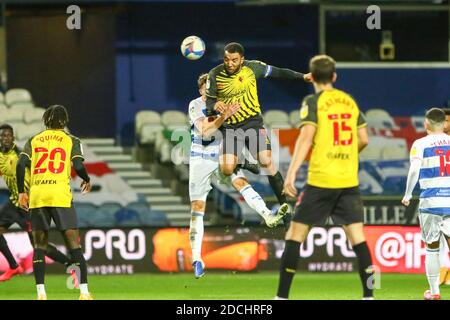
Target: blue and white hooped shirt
(434,177)
(200,147)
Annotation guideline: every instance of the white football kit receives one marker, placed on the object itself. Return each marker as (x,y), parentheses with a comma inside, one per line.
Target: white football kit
(430,164)
(204,157)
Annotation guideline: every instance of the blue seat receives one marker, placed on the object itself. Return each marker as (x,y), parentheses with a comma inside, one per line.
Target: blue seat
(85,213)
(128,217)
(156,218)
(4,196)
(105,215)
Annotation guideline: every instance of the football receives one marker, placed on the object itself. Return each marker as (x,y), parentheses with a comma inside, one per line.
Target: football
(193,47)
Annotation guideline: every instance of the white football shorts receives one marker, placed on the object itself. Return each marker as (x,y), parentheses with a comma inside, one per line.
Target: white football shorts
(433,226)
(201,173)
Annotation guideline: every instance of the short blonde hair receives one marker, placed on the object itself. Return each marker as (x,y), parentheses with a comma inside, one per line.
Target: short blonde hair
(202,80)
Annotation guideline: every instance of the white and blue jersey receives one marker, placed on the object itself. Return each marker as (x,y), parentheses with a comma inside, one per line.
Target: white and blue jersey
(201,147)
(434,177)
(204,158)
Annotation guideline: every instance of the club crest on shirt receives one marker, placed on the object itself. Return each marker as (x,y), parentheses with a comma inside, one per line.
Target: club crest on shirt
(304,111)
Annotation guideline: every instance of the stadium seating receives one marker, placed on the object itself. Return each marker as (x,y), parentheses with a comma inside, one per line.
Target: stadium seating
(276,119)
(3,108)
(34,115)
(17,95)
(105,215)
(147,125)
(23,107)
(85,212)
(294,118)
(173,119)
(418,123)
(379,119)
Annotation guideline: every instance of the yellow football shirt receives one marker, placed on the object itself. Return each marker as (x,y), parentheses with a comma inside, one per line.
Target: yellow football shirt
(240,87)
(51,153)
(334,158)
(8,164)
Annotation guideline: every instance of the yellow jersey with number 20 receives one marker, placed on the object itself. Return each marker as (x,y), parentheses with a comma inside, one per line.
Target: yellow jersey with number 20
(51,153)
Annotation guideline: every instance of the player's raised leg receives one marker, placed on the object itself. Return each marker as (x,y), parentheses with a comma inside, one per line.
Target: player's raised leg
(256,202)
(276,181)
(228,163)
(355,234)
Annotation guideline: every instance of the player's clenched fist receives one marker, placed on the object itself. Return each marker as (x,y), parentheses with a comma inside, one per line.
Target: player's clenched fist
(23,201)
(307,77)
(406,201)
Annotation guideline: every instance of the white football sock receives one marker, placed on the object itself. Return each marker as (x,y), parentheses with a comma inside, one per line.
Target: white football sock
(432,269)
(255,201)
(40,289)
(84,288)
(196,232)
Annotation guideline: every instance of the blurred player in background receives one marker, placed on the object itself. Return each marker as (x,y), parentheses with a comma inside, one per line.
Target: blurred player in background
(233,82)
(333,126)
(430,165)
(49,155)
(444,277)
(204,163)
(11,213)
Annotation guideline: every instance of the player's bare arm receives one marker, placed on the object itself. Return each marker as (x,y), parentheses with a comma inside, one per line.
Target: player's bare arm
(302,147)
(363,138)
(413,177)
(80,169)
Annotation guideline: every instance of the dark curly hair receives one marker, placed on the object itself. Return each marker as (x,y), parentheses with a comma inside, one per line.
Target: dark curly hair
(56,117)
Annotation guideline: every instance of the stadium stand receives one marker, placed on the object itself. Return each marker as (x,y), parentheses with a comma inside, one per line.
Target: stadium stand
(383,167)
(151,190)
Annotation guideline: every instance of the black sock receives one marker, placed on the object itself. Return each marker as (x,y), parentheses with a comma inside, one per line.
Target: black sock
(39,265)
(277,185)
(78,259)
(365,270)
(288,267)
(56,255)
(7,253)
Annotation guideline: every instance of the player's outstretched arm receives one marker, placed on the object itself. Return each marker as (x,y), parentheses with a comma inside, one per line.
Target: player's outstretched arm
(413,177)
(80,169)
(284,73)
(302,147)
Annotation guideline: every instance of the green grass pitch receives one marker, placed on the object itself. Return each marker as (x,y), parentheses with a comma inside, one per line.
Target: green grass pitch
(221,286)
